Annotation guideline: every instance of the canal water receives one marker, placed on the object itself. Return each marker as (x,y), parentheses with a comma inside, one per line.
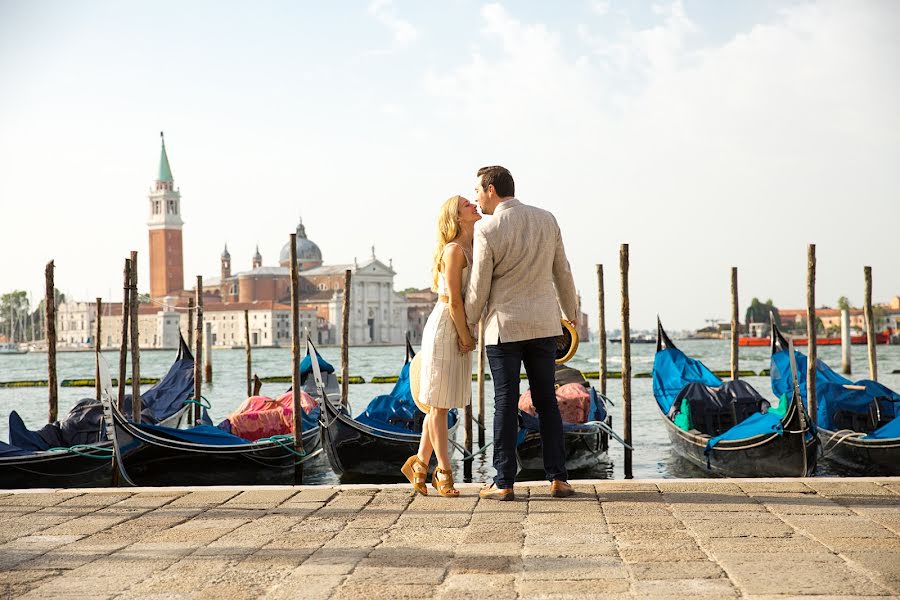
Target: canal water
(652,456)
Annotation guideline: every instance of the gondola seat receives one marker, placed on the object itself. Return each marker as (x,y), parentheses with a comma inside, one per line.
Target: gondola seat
(715,410)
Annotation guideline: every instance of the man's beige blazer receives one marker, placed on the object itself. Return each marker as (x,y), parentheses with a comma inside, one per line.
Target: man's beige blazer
(520,275)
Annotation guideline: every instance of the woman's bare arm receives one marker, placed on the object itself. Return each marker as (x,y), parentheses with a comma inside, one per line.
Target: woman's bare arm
(454,263)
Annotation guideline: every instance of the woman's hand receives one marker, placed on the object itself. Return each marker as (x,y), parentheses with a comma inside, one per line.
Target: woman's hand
(466,344)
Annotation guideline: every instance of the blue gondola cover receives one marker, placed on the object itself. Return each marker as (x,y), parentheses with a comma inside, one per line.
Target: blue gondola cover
(832,396)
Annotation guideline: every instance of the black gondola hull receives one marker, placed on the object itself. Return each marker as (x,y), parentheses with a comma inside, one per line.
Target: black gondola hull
(584,453)
(151,464)
(356,451)
(771,455)
(863,457)
(93,468)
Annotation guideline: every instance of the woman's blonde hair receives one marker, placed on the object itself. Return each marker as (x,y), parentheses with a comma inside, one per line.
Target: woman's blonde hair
(447,231)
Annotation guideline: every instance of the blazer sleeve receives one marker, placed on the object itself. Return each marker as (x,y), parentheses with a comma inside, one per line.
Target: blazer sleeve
(480,280)
(563,281)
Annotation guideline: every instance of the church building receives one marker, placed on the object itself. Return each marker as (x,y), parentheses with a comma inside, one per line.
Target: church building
(378,313)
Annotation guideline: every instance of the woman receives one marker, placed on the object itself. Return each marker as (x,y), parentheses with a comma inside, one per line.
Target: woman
(447,344)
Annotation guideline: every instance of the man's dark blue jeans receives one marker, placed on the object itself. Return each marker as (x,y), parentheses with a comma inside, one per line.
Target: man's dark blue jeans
(506,358)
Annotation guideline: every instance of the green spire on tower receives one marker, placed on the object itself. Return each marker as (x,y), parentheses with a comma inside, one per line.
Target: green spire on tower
(165,172)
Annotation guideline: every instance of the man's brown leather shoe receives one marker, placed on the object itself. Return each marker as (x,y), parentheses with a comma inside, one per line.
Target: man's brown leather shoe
(561,489)
(491,492)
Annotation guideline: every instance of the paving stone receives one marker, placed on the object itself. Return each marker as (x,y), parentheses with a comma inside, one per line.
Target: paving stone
(833,526)
(806,578)
(566,589)
(754,488)
(308,587)
(95,499)
(259,499)
(398,591)
(203,499)
(699,487)
(571,550)
(690,569)
(543,568)
(802,504)
(20,581)
(847,487)
(477,585)
(332,561)
(685,588)
(313,494)
(35,499)
(708,529)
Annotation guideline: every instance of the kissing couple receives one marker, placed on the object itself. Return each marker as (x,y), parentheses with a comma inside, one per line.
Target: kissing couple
(512,273)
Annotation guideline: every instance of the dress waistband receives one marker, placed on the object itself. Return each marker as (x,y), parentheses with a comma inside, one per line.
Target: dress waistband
(444,299)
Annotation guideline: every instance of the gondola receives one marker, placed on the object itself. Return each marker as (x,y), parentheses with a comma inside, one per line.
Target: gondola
(82,454)
(858,422)
(727,428)
(149,455)
(587,444)
(375,444)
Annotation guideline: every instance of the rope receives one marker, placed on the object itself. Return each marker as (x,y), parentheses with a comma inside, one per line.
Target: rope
(85,450)
(286,442)
(848,434)
(190,400)
(466,455)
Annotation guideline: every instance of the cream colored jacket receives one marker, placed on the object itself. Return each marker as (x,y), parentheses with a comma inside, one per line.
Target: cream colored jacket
(520,277)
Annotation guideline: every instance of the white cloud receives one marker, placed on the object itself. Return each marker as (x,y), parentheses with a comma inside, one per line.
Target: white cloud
(402,31)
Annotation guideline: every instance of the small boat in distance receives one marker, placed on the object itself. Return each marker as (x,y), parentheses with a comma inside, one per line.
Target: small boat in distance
(857,340)
(11,348)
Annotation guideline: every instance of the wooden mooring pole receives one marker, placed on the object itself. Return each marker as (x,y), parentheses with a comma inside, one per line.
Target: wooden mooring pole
(626,359)
(481,361)
(190,325)
(123,347)
(198,352)
(345,341)
(846,342)
(735,325)
(135,343)
(601,320)
(99,331)
(50,311)
(249,359)
(295,359)
(870,325)
(811,333)
(208,344)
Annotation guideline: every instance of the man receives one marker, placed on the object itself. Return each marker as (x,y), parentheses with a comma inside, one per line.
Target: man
(520,280)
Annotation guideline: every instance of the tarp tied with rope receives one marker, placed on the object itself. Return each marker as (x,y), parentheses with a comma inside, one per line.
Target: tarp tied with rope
(866,407)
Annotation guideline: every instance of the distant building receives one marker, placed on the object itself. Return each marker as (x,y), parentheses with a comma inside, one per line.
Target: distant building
(886,316)
(419,304)
(378,314)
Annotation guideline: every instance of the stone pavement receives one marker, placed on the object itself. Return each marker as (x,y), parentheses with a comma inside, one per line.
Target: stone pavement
(678,538)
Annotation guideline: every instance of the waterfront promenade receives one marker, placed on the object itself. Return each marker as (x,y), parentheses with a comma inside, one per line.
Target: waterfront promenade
(616,539)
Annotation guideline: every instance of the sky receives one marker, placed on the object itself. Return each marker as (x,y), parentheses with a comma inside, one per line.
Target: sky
(704,134)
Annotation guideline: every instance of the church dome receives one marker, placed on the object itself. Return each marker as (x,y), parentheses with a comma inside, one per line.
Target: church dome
(308,253)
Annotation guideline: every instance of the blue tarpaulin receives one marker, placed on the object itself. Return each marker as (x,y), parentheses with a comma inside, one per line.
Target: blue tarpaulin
(832,396)
(201,434)
(672,370)
(306,366)
(753,425)
(396,411)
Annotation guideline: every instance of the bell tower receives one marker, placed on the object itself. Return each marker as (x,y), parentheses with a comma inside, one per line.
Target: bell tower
(166,256)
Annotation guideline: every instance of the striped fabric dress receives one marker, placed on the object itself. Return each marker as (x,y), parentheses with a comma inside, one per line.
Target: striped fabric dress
(446,376)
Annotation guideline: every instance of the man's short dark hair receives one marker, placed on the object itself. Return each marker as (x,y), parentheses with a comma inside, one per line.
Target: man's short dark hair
(500,178)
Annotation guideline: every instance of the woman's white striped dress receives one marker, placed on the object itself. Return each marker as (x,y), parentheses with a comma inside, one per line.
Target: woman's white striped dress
(446,376)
